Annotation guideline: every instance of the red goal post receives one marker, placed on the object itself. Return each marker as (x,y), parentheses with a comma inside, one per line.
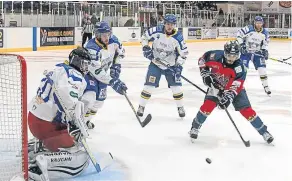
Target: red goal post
(13,117)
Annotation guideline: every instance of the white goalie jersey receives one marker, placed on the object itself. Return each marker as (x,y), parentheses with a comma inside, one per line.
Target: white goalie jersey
(168,48)
(58,93)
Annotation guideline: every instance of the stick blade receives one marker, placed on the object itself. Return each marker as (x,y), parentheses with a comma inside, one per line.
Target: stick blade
(247,143)
(146,120)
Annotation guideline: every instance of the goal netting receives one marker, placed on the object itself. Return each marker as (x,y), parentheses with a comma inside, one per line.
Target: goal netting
(13,117)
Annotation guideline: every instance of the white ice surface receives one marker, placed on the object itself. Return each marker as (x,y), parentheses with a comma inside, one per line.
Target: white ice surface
(162,151)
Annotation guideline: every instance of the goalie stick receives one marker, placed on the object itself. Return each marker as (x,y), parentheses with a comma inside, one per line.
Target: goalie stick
(246,143)
(146,120)
(83,141)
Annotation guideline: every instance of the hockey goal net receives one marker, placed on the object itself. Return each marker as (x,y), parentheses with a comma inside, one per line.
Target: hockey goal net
(13,117)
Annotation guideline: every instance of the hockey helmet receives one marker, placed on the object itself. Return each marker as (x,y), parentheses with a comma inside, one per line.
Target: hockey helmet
(231,51)
(80,59)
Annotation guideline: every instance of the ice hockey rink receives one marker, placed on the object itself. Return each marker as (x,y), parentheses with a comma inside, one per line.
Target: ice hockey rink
(162,151)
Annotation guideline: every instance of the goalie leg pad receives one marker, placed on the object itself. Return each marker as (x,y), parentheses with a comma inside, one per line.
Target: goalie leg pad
(60,165)
(50,133)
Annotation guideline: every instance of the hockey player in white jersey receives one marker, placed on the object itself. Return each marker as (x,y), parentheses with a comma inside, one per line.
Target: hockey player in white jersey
(106,53)
(168,47)
(54,109)
(254,40)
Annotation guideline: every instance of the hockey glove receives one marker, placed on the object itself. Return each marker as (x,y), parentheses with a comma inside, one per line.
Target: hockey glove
(265,54)
(208,79)
(115,71)
(74,132)
(225,99)
(176,72)
(147,52)
(119,86)
(243,49)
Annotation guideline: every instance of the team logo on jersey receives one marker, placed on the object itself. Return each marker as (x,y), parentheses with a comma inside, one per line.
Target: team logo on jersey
(212,56)
(152,79)
(73,94)
(221,80)
(91,82)
(238,69)
(102,93)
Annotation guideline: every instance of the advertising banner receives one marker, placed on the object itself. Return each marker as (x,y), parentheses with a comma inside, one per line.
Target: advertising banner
(133,34)
(253,6)
(278,33)
(56,36)
(194,33)
(232,32)
(209,33)
(270,6)
(1,38)
(222,32)
(285,7)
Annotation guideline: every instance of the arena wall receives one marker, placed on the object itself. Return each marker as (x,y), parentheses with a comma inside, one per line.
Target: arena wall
(32,39)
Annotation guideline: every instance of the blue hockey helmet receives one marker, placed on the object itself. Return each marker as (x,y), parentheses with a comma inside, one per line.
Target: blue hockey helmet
(170,18)
(101,27)
(258,19)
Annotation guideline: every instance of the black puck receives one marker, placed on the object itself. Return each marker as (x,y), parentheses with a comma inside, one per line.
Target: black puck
(208,160)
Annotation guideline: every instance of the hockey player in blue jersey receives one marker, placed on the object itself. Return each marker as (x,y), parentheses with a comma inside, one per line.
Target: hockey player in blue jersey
(224,74)
(254,40)
(169,47)
(106,52)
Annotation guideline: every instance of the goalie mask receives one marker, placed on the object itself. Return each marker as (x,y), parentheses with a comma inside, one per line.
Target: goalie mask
(79,59)
(231,52)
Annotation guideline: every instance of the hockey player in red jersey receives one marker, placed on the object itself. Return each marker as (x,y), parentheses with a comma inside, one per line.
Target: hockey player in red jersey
(224,74)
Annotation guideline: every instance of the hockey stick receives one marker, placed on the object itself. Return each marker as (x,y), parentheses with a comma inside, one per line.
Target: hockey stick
(146,120)
(282,61)
(246,143)
(92,158)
